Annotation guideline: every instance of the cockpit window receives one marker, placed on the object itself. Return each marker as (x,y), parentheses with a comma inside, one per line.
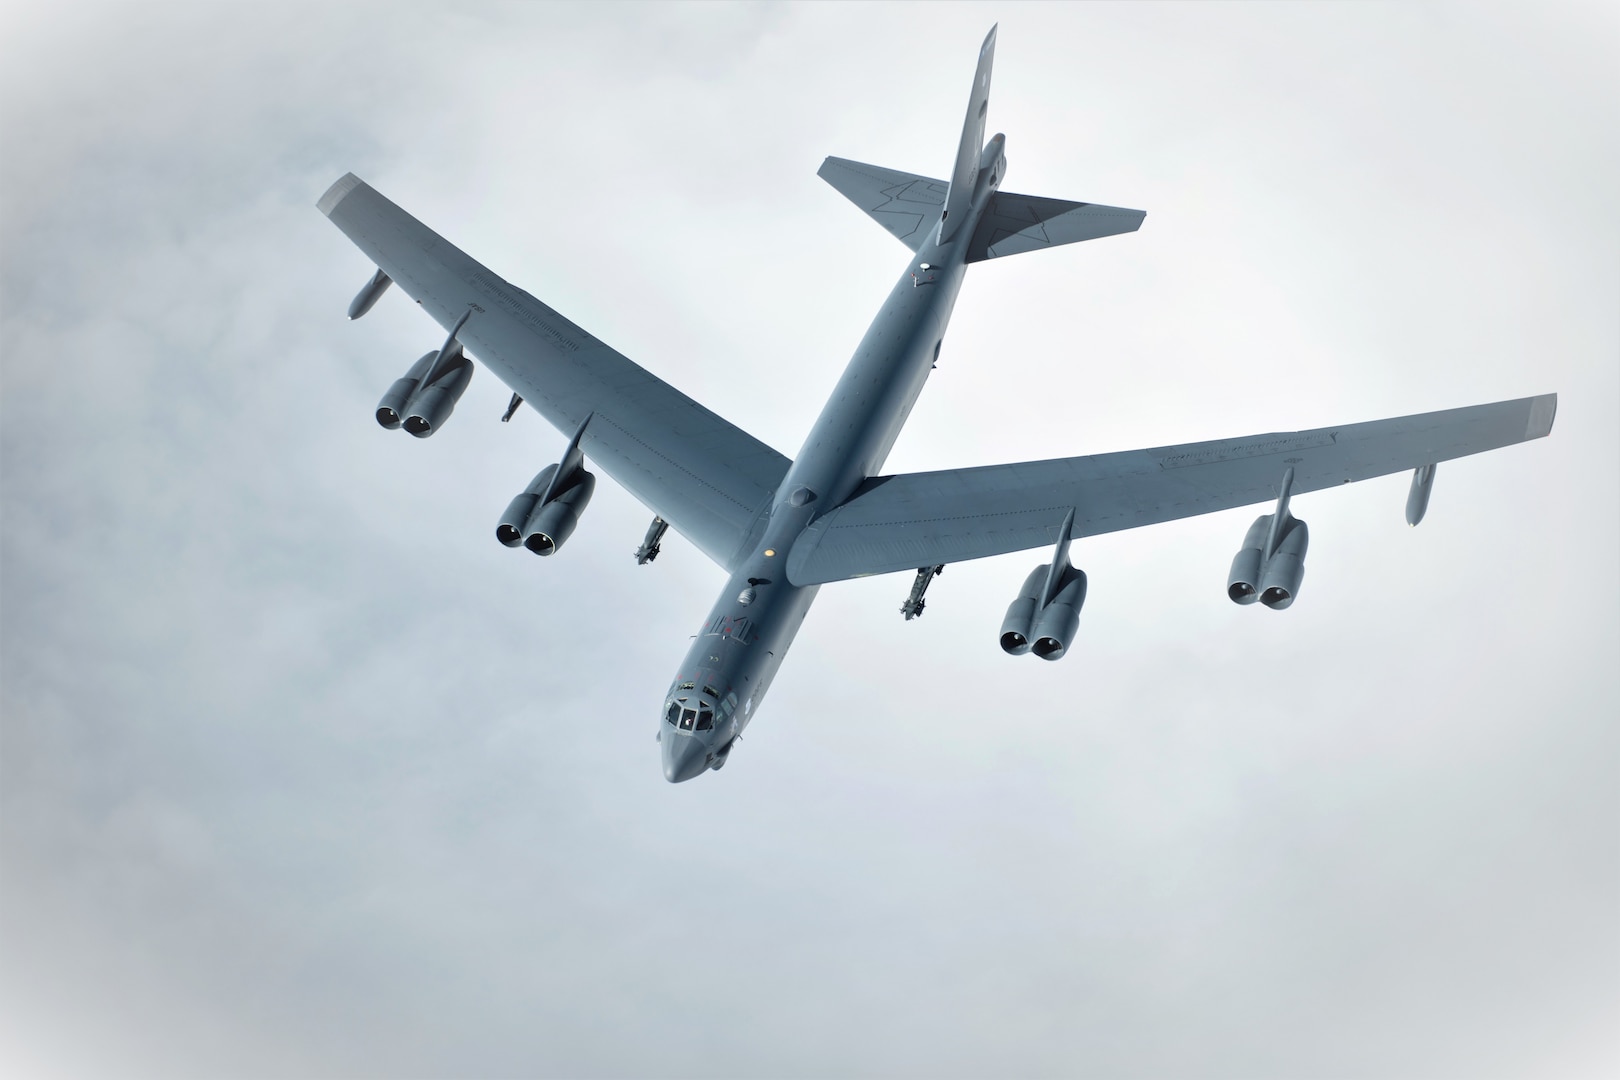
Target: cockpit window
(705,720)
(709,691)
(685,686)
(674,712)
(687,719)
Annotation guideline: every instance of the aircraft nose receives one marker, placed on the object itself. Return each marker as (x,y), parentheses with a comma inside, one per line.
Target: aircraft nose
(684,757)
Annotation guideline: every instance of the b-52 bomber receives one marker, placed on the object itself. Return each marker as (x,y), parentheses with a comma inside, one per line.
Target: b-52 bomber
(782,528)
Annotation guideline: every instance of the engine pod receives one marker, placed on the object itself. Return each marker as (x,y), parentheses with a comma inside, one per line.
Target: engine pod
(1019,623)
(515,522)
(1279,582)
(433,404)
(391,409)
(1058,620)
(1243,582)
(552,524)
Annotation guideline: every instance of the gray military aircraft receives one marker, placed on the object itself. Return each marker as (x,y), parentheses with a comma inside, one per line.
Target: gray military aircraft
(782,528)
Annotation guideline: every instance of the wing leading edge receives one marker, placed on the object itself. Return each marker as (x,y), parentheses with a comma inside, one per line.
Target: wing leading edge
(708,478)
(902,522)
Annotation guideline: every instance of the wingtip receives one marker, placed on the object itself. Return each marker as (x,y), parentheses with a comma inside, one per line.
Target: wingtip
(1542,411)
(334,194)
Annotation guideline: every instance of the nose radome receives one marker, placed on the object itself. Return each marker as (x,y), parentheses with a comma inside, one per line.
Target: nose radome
(684,757)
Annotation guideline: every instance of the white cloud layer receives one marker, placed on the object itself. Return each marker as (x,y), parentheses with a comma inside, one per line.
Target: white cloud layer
(303,774)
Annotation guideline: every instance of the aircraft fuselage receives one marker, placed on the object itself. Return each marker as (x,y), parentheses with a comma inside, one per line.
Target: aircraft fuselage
(741,644)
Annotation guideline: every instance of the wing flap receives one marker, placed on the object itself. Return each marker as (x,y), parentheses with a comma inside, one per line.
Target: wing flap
(902,522)
(708,478)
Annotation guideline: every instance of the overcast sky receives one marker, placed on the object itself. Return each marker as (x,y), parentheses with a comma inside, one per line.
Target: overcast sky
(303,774)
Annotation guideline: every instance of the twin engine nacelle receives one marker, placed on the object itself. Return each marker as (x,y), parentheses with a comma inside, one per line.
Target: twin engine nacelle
(420,409)
(1045,629)
(1271,579)
(543,525)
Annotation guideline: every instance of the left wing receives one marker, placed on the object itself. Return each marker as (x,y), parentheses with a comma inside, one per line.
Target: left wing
(708,478)
(925,519)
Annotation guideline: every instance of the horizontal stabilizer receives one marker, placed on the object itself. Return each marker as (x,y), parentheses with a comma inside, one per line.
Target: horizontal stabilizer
(904,203)
(1013,224)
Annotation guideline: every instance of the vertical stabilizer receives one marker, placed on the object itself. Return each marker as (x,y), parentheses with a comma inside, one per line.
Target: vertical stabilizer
(966,171)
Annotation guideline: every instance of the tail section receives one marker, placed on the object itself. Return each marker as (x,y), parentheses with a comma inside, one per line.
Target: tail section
(966,173)
(1002,223)
(905,204)
(1011,224)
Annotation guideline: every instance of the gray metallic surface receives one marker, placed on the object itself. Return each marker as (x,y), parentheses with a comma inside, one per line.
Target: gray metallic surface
(550,526)
(1058,620)
(782,528)
(706,477)
(1018,625)
(1013,224)
(905,204)
(1243,581)
(367,296)
(902,522)
(1285,569)
(1271,563)
(1417,499)
(432,405)
(965,174)
(396,400)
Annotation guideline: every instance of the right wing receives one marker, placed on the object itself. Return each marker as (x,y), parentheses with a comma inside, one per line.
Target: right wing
(709,479)
(925,519)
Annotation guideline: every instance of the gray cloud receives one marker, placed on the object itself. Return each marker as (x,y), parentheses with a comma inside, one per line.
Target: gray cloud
(304,775)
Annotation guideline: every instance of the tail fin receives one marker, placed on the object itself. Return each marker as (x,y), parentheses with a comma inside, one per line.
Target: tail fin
(908,205)
(971,145)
